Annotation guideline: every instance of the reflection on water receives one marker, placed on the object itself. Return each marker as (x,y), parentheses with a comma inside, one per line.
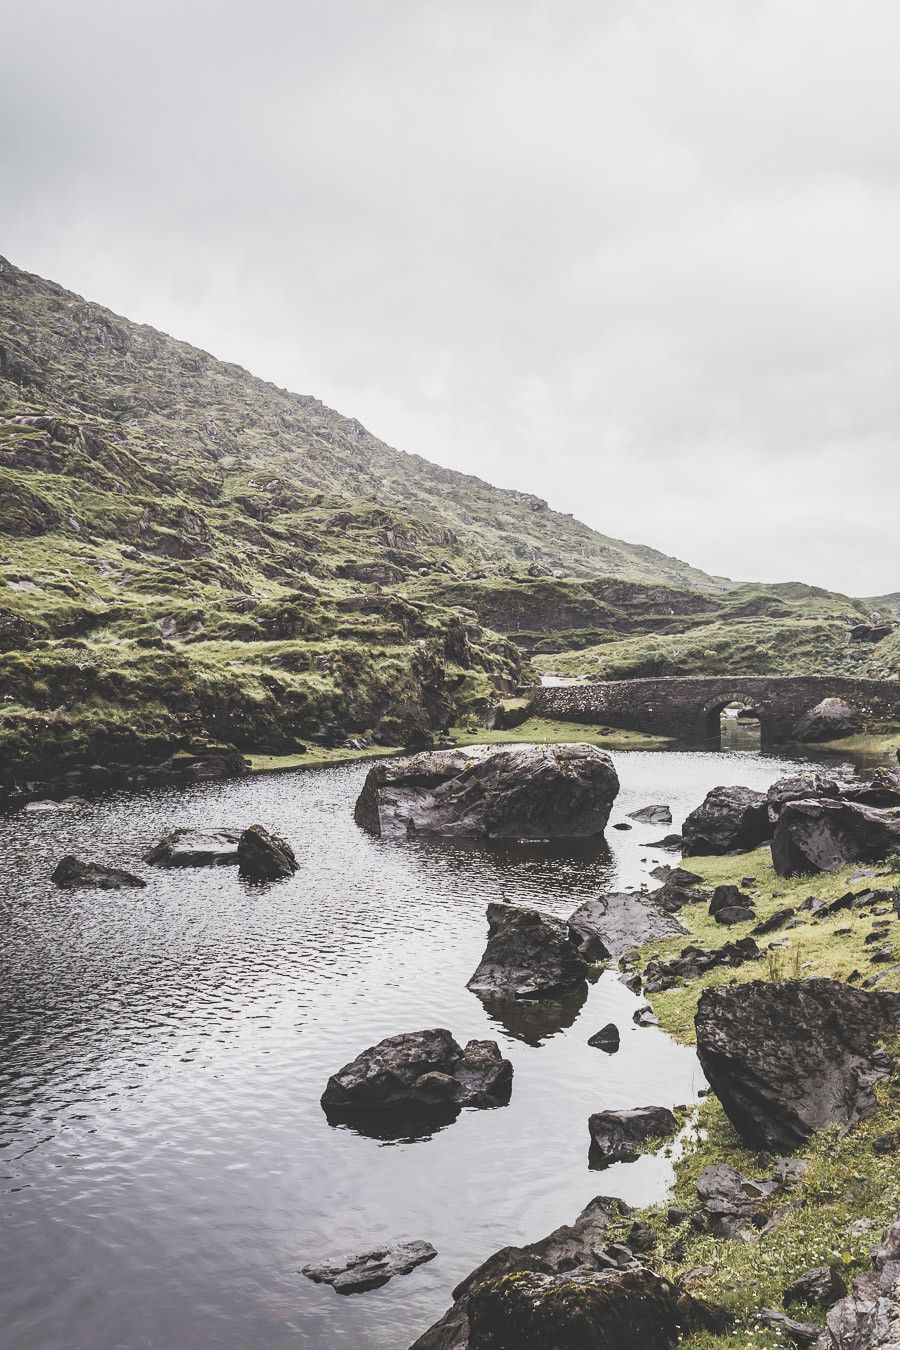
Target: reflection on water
(739,728)
(165,1165)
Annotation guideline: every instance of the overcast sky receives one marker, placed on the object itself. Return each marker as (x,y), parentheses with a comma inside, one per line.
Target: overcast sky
(641,257)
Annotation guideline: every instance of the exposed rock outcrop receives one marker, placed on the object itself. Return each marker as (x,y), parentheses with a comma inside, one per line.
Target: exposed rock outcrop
(609,925)
(419,1074)
(73,874)
(263,856)
(370,1270)
(786,1059)
(652,815)
(729,820)
(824,834)
(575,1270)
(529,954)
(187,847)
(516,792)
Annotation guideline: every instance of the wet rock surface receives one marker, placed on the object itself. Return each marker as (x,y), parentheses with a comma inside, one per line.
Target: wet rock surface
(618,1136)
(519,792)
(729,820)
(529,954)
(607,1038)
(370,1270)
(263,856)
(74,874)
(419,1074)
(786,1059)
(188,847)
(609,925)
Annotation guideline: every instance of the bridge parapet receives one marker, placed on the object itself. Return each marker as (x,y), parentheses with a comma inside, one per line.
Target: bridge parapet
(686,707)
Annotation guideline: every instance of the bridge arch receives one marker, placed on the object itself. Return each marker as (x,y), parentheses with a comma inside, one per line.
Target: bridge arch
(709,716)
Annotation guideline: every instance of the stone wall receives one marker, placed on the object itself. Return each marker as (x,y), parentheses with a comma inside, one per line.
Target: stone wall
(688,708)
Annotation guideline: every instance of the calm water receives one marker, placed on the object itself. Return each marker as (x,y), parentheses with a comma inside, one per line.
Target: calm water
(165,1167)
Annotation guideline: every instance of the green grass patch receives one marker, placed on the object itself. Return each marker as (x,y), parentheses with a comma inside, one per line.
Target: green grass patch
(545,731)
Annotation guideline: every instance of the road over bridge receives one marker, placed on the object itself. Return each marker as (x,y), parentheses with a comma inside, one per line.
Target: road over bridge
(688,708)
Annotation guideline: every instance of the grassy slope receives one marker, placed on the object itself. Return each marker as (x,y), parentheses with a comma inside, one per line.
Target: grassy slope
(846,1181)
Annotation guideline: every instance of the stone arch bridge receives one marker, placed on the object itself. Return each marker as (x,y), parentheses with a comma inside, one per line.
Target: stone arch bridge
(688,708)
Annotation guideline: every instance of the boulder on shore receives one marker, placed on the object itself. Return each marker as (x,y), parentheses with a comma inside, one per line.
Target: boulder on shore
(420,1073)
(617,1136)
(624,1309)
(529,954)
(824,834)
(608,925)
(729,820)
(187,847)
(263,856)
(370,1270)
(827,720)
(479,791)
(787,1059)
(73,874)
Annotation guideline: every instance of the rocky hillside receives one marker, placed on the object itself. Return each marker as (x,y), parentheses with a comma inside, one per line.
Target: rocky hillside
(167,418)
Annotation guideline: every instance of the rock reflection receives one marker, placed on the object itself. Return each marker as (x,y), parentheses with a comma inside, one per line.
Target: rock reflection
(535,1020)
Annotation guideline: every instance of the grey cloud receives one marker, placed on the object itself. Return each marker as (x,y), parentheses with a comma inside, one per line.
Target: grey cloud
(638,258)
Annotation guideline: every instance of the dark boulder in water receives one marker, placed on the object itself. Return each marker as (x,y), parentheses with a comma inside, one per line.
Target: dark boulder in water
(529,954)
(73,874)
(370,1270)
(516,792)
(187,847)
(729,820)
(263,856)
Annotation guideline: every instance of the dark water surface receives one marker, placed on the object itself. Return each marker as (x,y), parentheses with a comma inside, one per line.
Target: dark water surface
(165,1167)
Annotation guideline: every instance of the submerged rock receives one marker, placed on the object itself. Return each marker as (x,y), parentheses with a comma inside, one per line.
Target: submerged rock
(370,1270)
(786,1059)
(652,815)
(823,835)
(263,856)
(617,1136)
(187,847)
(73,874)
(729,820)
(516,792)
(529,954)
(419,1073)
(609,925)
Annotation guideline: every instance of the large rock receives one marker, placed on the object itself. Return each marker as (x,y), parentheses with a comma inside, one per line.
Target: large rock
(869,1317)
(608,925)
(800,787)
(73,874)
(515,792)
(786,1059)
(729,820)
(618,1136)
(529,954)
(828,719)
(370,1270)
(187,847)
(574,1253)
(823,835)
(263,856)
(419,1073)
(632,1309)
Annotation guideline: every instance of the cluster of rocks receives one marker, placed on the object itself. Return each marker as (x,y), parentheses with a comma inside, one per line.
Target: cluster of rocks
(258,855)
(692,961)
(814,823)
